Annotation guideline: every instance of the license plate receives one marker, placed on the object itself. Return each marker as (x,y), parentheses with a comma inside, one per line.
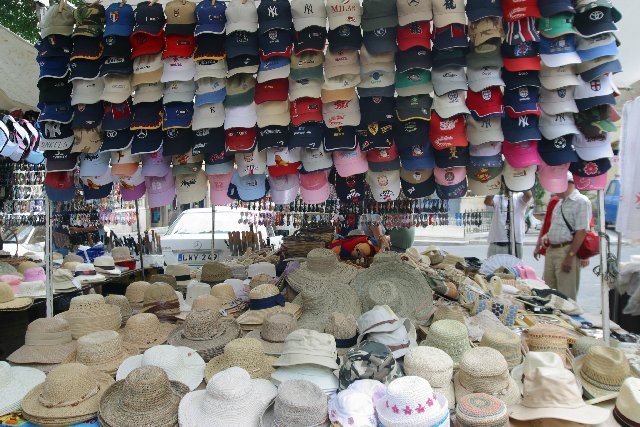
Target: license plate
(196,257)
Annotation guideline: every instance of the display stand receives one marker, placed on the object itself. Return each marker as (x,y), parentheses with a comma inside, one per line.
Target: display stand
(213,232)
(48,255)
(511,230)
(604,287)
(140,239)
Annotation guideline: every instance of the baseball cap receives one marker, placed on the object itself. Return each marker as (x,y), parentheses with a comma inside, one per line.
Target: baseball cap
(485,130)
(87,91)
(277,67)
(343,12)
(414,34)
(558,77)
(558,101)
(186,163)
(191,188)
(484,55)
(208,140)
(377,83)
(179,91)
(447,132)
(59,186)
(177,141)
(272,136)
(308,13)
(522,101)
(583,183)
(340,62)
(554,7)
(56,67)
(519,179)
(485,181)
(383,62)
(179,45)
(161,190)
(146,44)
(248,188)
(117,89)
(311,39)
(97,187)
(375,135)
(417,184)
(413,107)
(558,151)
(245,116)
(60,112)
(209,46)
(518,79)
(522,128)
(478,9)
(305,110)
(241,89)
(593,121)
(208,90)
(378,13)
(345,37)
(383,159)
(275,42)
(54,45)
(210,17)
(522,30)
(380,40)
(522,154)
(241,43)
(58,20)
(178,69)
(341,113)
(87,140)
(156,164)
(55,136)
(450,37)
(147,141)
(482,78)
(119,46)
(87,48)
(350,162)
(553,178)
(307,65)
(384,185)
(218,188)
(598,67)
(517,9)
(308,135)
(132,187)
(448,12)
(522,56)
(451,182)
(177,115)
(148,92)
(417,157)
(340,138)
(116,65)
(590,48)
(90,20)
(283,160)
(485,103)
(115,140)
(60,160)
(345,94)
(210,68)
(559,51)
(219,162)
(377,108)
(123,163)
(593,148)
(556,25)
(450,104)
(410,132)
(273,113)
(448,79)
(54,90)
(597,20)
(239,139)
(415,57)
(149,18)
(284,188)
(487,154)
(275,14)
(485,29)
(593,93)
(86,69)
(413,82)
(314,187)
(590,168)
(241,16)
(349,189)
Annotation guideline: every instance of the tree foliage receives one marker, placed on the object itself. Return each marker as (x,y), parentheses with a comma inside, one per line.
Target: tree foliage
(20,17)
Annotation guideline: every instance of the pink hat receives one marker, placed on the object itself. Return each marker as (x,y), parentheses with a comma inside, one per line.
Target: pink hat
(350,162)
(155,164)
(553,178)
(450,176)
(284,189)
(521,154)
(161,190)
(219,186)
(11,279)
(585,183)
(35,274)
(314,187)
(133,187)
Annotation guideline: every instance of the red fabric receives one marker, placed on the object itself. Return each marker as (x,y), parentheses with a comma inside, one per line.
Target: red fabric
(547,220)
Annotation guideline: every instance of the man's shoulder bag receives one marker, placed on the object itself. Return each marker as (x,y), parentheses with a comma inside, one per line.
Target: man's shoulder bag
(590,245)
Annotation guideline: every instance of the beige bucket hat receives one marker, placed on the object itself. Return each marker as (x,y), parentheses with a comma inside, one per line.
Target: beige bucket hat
(46,341)
(9,302)
(104,351)
(144,330)
(322,267)
(435,366)
(306,346)
(275,329)
(121,302)
(135,294)
(15,383)
(89,313)
(62,281)
(263,300)
(344,328)
(246,353)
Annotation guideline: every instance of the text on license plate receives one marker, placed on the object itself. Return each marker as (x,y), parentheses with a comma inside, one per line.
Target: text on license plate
(196,257)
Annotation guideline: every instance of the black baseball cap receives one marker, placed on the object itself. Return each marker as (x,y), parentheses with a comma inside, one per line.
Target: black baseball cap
(456,57)
(450,36)
(415,57)
(116,65)
(177,141)
(208,141)
(146,141)
(149,18)
(375,135)
(380,40)
(349,189)
(452,157)
(243,61)
(590,169)
(340,138)
(410,132)
(147,115)
(517,79)
(417,184)
(86,69)
(117,116)
(310,39)
(417,107)
(241,43)
(117,46)
(87,115)
(273,137)
(60,160)
(53,90)
(377,108)
(307,135)
(87,47)
(275,42)
(115,140)
(209,46)
(346,37)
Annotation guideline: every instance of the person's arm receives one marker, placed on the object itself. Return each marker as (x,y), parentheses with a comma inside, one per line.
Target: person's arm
(488,201)
(545,227)
(526,197)
(583,216)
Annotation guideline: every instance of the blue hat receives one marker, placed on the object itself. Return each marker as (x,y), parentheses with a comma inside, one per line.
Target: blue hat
(516,79)
(590,169)
(211,17)
(308,135)
(377,108)
(147,115)
(274,14)
(607,67)
(149,18)
(340,138)
(208,141)
(146,141)
(559,51)
(100,192)
(478,9)
(86,69)
(553,7)
(248,188)
(177,141)
(346,37)
(451,36)
(409,132)
(417,184)
(414,57)
(116,65)
(273,63)
(310,39)
(54,45)
(87,47)
(120,20)
(87,115)
(116,140)
(209,46)
(61,112)
(241,43)
(35,157)
(60,194)
(242,61)
(558,151)
(417,157)
(590,48)
(597,20)
(275,42)
(215,93)
(380,40)
(117,116)
(385,91)
(523,128)
(177,115)
(456,57)
(53,66)
(116,46)
(273,137)
(60,161)
(452,157)
(524,100)
(455,191)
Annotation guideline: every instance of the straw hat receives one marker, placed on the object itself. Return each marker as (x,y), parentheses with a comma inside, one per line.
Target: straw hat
(601,372)
(122,303)
(164,278)
(552,393)
(275,328)
(322,267)
(260,279)
(583,344)
(534,360)
(71,265)
(144,330)
(481,410)
(195,289)
(389,281)
(484,370)
(62,281)
(106,265)
(508,343)
(435,254)
(25,265)
(241,287)
(73,258)
(206,302)
(450,336)
(135,294)
(46,341)
(351,407)
(145,397)
(70,394)
(180,363)
(181,273)
(246,353)
(32,289)
(543,337)
(230,302)
(306,346)
(86,273)
(6,268)
(121,253)
(452,312)
(15,383)
(380,324)
(299,403)
(232,399)
(435,366)
(89,313)
(261,267)
(263,300)
(318,302)
(9,302)
(161,299)
(215,272)
(104,351)
(368,360)
(344,328)
(411,402)
(205,331)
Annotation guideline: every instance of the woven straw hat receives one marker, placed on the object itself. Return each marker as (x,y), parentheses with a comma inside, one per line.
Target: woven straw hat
(602,371)
(450,336)
(247,353)
(195,289)
(6,268)
(452,312)
(274,330)
(260,279)
(481,410)
(344,328)
(62,281)
(506,342)
(484,370)
(435,366)
(180,363)
(230,302)
(205,331)
(15,383)
(121,253)
(135,294)
(104,351)
(106,265)
(72,258)
(145,397)
(161,299)
(25,265)
(70,394)
(9,302)
(89,313)
(46,341)
(543,337)
(215,272)
(322,267)
(583,344)
(121,302)
(232,399)
(239,271)
(181,274)
(306,346)
(206,302)
(389,281)
(164,278)
(534,360)
(318,302)
(144,330)
(71,265)
(263,300)
(299,403)
(411,402)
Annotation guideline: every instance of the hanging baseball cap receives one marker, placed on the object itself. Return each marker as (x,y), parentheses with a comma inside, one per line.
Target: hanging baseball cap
(485,55)
(598,68)
(90,20)
(181,17)
(210,68)
(522,56)
(522,154)
(449,132)
(558,101)
(486,155)
(558,77)
(161,190)
(273,113)
(55,67)
(118,46)
(272,136)
(277,67)
(54,45)
(186,163)
(556,25)
(410,12)
(590,168)
(340,138)
(58,21)
(117,89)
(517,9)
(380,40)
(208,140)
(413,58)
(345,37)
(148,92)
(485,181)
(417,157)
(245,116)
(482,78)
(598,20)
(417,184)
(383,159)
(209,90)
(555,7)
(146,44)
(123,163)
(147,141)
(177,115)
(241,89)
(156,164)
(59,186)
(596,120)
(341,113)
(149,18)
(485,103)
(553,178)
(593,93)
(559,51)
(54,90)
(315,159)
(485,29)
(377,108)
(308,135)
(450,104)
(176,141)
(413,82)
(593,148)
(239,139)
(209,46)
(275,14)
(283,161)
(484,131)
(450,37)
(479,9)
(86,140)
(451,182)
(97,187)
(210,17)
(115,140)
(343,12)
(147,69)
(377,83)
(179,45)
(410,132)
(241,43)
(60,161)
(220,162)
(248,188)
(521,31)
(55,136)
(519,179)
(219,187)
(308,13)
(176,91)
(132,187)
(415,34)
(314,187)
(178,69)
(384,185)
(448,12)
(87,48)
(241,16)
(522,101)
(590,48)
(378,14)
(558,151)
(284,188)
(191,188)
(87,91)
(304,110)
(583,183)
(311,39)
(413,107)
(60,112)
(375,135)
(350,162)
(522,128)
(275,42)
(449,79)
(116,65)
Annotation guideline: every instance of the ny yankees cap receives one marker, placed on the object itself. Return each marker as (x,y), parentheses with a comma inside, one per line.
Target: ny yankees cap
(484,131)
(554,126)
(55,136)
(274,14)
(308,13)
(522,128)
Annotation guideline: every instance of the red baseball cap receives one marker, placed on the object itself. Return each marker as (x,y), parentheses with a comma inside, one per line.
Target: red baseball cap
(146,44)
(59,180)
(414,34)
(272,90)
(514,10)
(240,140)
(384,159)
(487,102)
(289,169)
(178,45)
(305,110)
(447,133)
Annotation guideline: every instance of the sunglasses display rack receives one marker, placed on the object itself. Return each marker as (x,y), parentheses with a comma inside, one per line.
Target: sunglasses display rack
(21,193)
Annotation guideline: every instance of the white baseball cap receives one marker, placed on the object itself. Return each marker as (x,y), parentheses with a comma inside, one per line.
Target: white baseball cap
(385,186)
(314,159)
(556,101)
(450,104)
(343,12)
(557,77)
(284,188)
(593,148)
(482,78)
(178,91)
(341,113)
(87,91)
(254,162)
(177,68)
(273,113)
(245,116)
(208,116)
(117,88)
(241,15)
(519,179)
(191,188)
(304,89)
(556,125)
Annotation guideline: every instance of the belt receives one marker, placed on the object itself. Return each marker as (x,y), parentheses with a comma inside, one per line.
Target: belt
(559,245)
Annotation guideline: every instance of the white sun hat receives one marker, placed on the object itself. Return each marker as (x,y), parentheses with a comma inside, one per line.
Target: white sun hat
(15,383)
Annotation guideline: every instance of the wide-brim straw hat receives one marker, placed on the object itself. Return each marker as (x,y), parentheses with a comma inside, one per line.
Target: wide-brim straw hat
(104,351)
(246,353)
(265,295)
(145,398)
(9,302)
(144,330)
(78,386)
(121,302)
(164,278)
(274,331)
(318,302)
(389,281)
(15,383)
(6,268)
(89,313)
(322,267)
(47,341)
(135,294)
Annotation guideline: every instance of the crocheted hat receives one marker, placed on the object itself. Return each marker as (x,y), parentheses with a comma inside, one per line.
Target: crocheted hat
(246,353)
(321,267)
(435,366)
(508,343)
(135,294)
(89,313)
(275,329)
(481,410)
(104,351)
(144,330)
(215,272)
(121,302)
(344,328)
(450,336)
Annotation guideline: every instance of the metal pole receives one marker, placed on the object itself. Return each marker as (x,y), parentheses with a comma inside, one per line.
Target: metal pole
(512,228)
(616,295)
(604,287)
(48,255)
(140,242)
(213,231)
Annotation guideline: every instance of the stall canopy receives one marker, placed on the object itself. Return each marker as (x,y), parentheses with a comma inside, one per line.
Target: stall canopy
(18,72)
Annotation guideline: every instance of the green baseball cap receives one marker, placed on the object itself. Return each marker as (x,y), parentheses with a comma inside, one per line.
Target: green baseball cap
(413,82)
(90,20)
(240,90)
(307,65)
(379,14)
(485,55)
(58,20)
(556,25)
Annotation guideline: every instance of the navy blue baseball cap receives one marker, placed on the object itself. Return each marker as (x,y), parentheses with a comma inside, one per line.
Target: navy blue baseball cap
(274,14)
(307,135)
(311,39)
(523,128)
(244,62)
(177,115)
(521,101)
(116,65)
(478,9)
(558,151)
(95,192)
(85,69)
(597,20)
(450,36)
(208,141)
(380,40)
(272,137)
(553,7)
(589,169)
(521,56)
(149,18)
(349,189)
(177,141)
(410,132)
(146,141)
(374,135)
(116,140)
(117,116)
(60,112)
(211,17)
(54,90)
(53,66)
(417,184)
(275,42)
(87,47)
(340,138)
(516,79)
(209,46)
(417,157)
(377,108)
(605,67)
(87,115)
(452,157)
(415,57)
(120,20)
(456,57)
(147,115)
(117,46)
(241,43)
(54,45)
(60,161)
(347,37)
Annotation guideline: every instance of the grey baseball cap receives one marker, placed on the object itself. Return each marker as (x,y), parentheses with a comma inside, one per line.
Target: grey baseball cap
(447,79)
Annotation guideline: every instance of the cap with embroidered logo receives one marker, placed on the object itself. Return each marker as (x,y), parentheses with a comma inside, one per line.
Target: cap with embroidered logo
(485,130)
(210,17)
(343,12)
(479,9)
(149,18)
(274,14)
(308,13)
(310,39)
(410,11)
(380,40)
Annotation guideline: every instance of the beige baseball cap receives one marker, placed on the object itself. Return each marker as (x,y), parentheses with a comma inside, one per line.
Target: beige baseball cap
(147,69)
(370,63)
(485,29)
(307,65)
(208,116)
(308,88)
(448,12)
(341,113)
(346,94)
(240,83)
(117,88)
(343,12)
(242,15)
(87,91)
(191,188)
(211,68)
(341,62)
(148,92)
(58,21)
(341,82)
(308,13)
(273,113)
(181,16)
(410,11)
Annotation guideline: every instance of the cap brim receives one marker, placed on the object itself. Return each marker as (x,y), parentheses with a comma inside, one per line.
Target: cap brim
(586,414)
(560,59)
(522,64)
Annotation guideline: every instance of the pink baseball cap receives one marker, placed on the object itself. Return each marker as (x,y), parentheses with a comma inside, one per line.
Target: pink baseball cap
(219,187)
(155,164)
(350,162)
(553,178)
(133,187)
(521,154)
(586,183)
(161,190)
(284,188)
(314,187)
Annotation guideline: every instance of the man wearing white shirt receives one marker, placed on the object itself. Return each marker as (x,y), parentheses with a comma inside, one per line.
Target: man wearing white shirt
(499,232)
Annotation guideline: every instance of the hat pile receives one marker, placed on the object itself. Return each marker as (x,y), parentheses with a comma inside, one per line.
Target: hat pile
(90,313)
(381,324)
